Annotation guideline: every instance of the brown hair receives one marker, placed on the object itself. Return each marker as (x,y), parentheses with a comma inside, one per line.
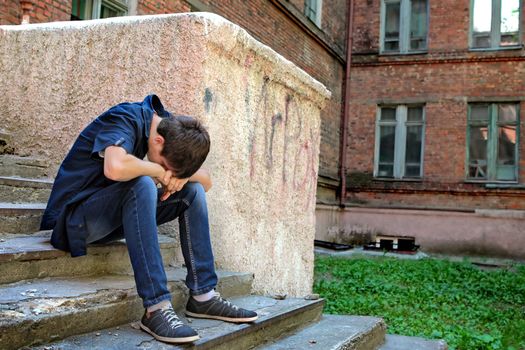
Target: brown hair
(186,143)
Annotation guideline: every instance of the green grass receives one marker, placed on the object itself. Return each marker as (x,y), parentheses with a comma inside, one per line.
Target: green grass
(471,309)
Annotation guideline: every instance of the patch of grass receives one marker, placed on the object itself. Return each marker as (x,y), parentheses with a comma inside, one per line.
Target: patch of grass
(470,308)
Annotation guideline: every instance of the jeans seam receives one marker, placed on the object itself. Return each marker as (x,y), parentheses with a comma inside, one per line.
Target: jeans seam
(190,249)
(139,241)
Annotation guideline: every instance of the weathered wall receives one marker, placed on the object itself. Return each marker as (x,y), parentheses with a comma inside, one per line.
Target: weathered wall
(494,233)
(263,114)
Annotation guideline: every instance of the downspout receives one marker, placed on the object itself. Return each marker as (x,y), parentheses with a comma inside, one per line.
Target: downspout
(346,103)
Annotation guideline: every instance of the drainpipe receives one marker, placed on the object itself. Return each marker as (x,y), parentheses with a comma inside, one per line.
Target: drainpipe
(346,103)
(27,7)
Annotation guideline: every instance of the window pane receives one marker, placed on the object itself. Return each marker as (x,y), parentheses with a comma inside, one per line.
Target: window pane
(106,12)
(392,26)
(413,171)
(415,114)
(482,22)
(510,17)
(507,145)
(413,146)
(386,150)
(507,113)
(386,170)
(418,25)
(478,152)
(479,112)
(388,114)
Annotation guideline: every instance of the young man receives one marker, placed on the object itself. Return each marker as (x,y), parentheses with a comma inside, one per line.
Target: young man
(105,191)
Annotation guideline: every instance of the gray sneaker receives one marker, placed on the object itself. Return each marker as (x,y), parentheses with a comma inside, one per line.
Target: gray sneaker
(219,309)
(165,326)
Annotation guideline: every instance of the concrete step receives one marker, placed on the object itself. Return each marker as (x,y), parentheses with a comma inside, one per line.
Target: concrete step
(20,217)
(22,190)
(29,167)
(399,342)
(28,257)
(335,332)
(50,309)
(276,317)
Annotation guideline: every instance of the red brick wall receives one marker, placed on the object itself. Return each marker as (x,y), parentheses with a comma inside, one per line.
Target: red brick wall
(43,11)
(156,7)
(10,12)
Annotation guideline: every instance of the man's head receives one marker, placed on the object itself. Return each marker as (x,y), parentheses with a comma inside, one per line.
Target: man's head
(180,144)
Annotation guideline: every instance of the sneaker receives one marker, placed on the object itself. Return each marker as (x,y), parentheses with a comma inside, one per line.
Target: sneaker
(165,326)
(219,309)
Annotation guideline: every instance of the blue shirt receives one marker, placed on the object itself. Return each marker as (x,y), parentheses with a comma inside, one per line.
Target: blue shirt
(82,172)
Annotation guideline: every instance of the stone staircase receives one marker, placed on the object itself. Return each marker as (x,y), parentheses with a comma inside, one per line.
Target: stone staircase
(49,300)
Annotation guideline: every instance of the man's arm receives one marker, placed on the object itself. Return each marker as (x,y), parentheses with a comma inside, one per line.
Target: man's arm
(203,177)
(121,166)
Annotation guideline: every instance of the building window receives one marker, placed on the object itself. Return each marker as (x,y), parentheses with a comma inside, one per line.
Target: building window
(404,26)
(495,24)
(312,10)
(93,9)
(399,142)
(492,139)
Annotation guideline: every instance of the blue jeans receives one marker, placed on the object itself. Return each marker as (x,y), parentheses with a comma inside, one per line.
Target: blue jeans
(132,210)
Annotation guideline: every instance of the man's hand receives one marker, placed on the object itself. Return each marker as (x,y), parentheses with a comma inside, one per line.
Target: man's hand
(171,184)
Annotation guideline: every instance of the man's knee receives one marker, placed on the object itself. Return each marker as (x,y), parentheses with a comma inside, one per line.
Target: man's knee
(195,192)
(144,188)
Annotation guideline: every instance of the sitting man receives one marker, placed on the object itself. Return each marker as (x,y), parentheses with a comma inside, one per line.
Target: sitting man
(105,191)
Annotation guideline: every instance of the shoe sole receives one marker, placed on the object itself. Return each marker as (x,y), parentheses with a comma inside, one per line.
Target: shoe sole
(222,318)
(169,340)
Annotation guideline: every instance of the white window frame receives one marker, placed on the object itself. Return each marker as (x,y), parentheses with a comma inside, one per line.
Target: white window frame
(93,7)
(492,143)
(118,5)
(318,11)
(495,28)
(404,27)
(400,135)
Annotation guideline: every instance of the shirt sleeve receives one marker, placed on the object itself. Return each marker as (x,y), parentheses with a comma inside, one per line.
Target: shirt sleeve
(116,130)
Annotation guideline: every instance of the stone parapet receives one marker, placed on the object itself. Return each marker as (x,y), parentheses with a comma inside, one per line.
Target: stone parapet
(262,112)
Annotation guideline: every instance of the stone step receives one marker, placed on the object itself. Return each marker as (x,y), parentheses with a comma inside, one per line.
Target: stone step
(28,167)
(20,217)
(276,317)
(399,342)
(44,310)
(28,257)
(335,332)
(23,190)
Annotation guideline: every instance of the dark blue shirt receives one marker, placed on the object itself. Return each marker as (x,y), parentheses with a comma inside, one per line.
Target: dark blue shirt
(82,172)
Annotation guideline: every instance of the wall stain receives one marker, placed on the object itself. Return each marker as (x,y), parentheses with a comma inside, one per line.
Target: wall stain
(207,99)
(277,118)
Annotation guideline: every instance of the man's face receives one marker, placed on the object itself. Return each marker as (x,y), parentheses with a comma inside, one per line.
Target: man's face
(155,146)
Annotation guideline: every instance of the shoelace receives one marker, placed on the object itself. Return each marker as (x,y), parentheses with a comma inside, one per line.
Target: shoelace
(172,318)
(218,295)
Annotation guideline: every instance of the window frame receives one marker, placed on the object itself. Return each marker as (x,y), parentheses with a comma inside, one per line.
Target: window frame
(401,123)
(318,11)
(404,28)
(96,7)
(492,143)
(495,30)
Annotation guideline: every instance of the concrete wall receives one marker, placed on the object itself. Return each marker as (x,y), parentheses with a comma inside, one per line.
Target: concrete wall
(263,114)
(494,233)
